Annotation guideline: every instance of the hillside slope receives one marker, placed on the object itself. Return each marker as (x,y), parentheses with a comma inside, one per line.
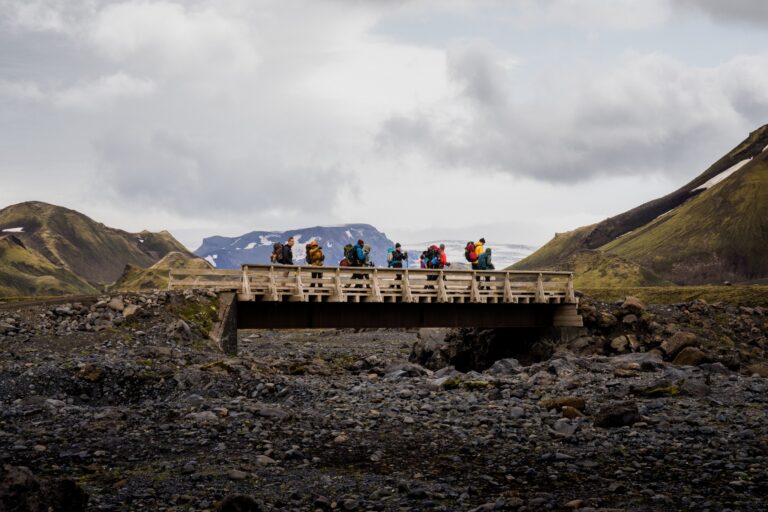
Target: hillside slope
(710,230)
(74,242)
(156,277)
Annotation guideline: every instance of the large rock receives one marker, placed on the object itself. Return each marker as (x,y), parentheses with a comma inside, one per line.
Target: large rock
(678,342)
(564,401)
(690,356)
(21,491)
(617,415)
(633,305)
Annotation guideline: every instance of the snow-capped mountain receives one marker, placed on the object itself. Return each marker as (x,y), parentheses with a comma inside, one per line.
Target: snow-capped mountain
(504,254)
(256,247)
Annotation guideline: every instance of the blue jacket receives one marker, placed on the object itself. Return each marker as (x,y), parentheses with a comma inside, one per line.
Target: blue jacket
(360,254)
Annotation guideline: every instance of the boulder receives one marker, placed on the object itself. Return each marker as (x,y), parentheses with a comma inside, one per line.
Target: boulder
(678,341)
(564,401)
(617,415)
(620,344)
(632,305)
(238,503)
(130,310)
(507,366)
(21,490)
(116,304)
(690,356)
(759,369)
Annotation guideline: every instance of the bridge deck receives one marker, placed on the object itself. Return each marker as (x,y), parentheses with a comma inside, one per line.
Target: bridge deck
(282,283)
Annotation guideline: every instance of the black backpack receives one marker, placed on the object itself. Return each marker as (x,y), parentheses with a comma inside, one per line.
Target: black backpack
(350,253)
(277,253)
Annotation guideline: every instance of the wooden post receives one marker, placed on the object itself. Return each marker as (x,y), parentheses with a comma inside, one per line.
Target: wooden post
(299,294)
(474,291)
(442,293)
(507,288)
(570,294)
(246,285)
(271,286)
(375,288)
(407,295)
(337,295)
(540,289)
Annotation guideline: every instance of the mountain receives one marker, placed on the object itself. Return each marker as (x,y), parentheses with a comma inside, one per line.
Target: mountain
(504,254)
(256,247)
(715,228)
(49,249)
(137,279)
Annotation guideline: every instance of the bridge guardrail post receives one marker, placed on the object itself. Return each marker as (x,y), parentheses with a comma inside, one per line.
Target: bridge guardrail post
(570,294)
(407,295)
(442,293)
(474,289)
(507,288)
(246,285)
(540,297)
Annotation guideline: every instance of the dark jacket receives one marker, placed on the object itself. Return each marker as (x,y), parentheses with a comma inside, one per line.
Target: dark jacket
(287,255)
(397,258)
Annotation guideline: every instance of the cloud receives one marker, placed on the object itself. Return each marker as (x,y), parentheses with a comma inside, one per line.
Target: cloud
(753,12)
(648,114)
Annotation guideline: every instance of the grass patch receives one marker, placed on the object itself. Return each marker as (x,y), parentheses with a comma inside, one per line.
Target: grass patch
(738,295)
(201,314)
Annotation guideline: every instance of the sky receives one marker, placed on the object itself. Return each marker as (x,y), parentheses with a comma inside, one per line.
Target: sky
(430,119)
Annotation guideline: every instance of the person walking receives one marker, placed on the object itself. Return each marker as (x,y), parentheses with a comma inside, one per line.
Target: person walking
(443,257)
(398,256)
(315,258)
(287,258)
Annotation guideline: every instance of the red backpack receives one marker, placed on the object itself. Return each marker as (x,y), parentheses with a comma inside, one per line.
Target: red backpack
(469,253)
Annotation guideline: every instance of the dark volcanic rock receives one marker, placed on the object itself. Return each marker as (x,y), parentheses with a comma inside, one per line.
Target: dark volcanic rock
(617,415)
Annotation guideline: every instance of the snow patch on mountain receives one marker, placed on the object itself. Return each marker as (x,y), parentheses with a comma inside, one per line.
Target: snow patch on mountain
(13,230)
(723,175)
(256,247)
(212,259)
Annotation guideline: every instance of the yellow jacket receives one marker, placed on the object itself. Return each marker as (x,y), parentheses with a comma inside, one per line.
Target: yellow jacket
(479,249)
(315,256)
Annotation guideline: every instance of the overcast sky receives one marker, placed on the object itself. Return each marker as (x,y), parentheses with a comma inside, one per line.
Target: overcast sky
(429,119)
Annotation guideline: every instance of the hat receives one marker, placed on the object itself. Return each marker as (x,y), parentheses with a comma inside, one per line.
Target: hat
(397,244)
(313,243)
(482,240)
(360,242)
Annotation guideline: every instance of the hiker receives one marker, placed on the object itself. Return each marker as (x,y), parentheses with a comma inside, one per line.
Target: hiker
(484,260)
(396,257)
(315,258)
(287,258)
(443,257)
(470,253)
(282,253)
(423,260)
(479,250)
(360,254)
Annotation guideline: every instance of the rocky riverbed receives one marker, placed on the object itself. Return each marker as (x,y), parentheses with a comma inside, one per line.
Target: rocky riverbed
(121,404)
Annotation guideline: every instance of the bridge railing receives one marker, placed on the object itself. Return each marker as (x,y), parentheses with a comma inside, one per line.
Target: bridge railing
(276,283)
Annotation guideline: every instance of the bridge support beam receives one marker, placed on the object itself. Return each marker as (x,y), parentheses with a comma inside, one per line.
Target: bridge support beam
(308,315)
(224,332)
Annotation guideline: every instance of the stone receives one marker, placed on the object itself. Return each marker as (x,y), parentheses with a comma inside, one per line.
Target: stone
(204,417)
(679,340)
(571,412)
(263,460)
(238,503)
(564,401)
(91,373)
(236,474)
(617,415)
(507,366)
(564,428)
(607,320)
(620,344)
(695,387)
(574,504)
(690,356)
(633,305)
(116,304)
(629,319)
(130,310)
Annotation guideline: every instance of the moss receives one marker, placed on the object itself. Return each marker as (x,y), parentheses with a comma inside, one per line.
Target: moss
(673,390)
(452,383)
(200,314)
(477,384)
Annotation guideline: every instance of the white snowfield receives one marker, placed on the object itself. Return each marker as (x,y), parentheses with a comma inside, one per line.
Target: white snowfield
(13,230)
(723,175)
(212,259)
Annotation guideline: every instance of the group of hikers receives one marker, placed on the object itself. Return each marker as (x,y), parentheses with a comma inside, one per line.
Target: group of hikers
(359,255)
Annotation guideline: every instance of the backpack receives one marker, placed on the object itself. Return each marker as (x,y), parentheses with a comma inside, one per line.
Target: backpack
(488,263)
(433,257)
(277,253)
(307,248)
(344,262)
(469,253)
(350,254)
(390,256)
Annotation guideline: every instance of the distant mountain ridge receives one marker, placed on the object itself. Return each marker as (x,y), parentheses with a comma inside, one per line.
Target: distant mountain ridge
(50,250)
(256,247)
(715,228)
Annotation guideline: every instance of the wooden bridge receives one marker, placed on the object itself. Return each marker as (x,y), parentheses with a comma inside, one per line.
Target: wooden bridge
(280,296)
